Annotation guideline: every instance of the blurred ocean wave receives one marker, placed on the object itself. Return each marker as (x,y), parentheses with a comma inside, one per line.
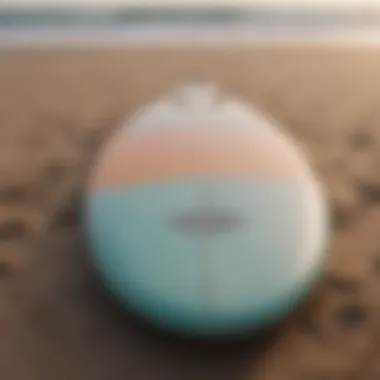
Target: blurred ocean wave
(170,24)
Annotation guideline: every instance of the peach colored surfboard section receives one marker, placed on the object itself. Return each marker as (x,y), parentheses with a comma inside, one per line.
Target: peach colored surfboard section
(137,158)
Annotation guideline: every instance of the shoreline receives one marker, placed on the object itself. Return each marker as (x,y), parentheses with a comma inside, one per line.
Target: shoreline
(151,38)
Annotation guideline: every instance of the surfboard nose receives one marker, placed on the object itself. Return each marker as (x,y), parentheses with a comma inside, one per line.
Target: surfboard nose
(205,217)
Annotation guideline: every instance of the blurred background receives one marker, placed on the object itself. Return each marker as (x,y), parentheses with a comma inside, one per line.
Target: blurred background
(71,71)
(30,21)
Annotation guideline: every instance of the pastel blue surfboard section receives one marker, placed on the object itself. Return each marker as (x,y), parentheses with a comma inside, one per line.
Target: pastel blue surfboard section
(218,282)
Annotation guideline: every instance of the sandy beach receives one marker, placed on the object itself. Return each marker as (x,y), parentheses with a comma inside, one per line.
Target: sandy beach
(58,106)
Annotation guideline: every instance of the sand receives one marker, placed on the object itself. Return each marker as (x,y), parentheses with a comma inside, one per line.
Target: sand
(57,107)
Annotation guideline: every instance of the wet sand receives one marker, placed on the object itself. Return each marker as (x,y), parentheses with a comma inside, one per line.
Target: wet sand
(57,107)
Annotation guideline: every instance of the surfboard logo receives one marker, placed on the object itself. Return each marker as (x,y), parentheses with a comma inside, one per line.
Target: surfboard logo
(209,220)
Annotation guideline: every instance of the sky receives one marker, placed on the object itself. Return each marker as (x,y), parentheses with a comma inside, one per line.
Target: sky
(280,3)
